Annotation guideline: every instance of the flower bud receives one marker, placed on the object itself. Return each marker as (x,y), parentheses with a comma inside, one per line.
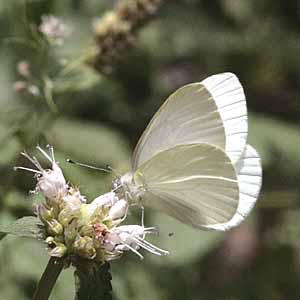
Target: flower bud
(84,247)
(66,215)
(23,68)
(54,227)
(70,232)
(50,240)
(44,214)
(59,251)
(86,230)
(20,86)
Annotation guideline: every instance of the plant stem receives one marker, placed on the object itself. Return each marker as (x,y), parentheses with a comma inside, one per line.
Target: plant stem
(48,279)
(93,281)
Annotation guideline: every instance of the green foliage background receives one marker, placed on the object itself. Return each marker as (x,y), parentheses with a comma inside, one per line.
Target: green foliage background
(99,119)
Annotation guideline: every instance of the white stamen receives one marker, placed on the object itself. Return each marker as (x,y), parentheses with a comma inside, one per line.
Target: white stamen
(164,252)
(51,151)
(27,169)
(37,163)
(33,161)
(141,243)
(44,153)
(133,250)
(150,230)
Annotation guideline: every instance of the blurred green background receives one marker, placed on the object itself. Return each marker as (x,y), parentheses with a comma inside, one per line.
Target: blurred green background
(98,120)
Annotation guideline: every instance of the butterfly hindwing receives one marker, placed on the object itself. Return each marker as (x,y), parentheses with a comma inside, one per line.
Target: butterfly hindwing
(195,183)
(249,175)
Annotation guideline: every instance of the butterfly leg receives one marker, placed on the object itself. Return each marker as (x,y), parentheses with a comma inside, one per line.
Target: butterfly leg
(143,216)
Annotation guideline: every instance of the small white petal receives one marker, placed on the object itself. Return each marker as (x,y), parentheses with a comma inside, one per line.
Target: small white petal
(132,237)
(106,200)
(118,210)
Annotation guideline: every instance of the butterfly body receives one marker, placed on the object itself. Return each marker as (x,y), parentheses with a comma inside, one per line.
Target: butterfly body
(132,187)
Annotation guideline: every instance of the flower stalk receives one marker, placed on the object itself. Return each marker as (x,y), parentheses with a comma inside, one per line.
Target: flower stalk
(48,279)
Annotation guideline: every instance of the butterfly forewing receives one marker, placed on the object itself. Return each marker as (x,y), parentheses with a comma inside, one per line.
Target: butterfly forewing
(230,99)
(213,111)
(189,116)
(195,183)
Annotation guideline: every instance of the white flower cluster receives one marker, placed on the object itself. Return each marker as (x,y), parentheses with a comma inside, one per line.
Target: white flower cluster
(75,228)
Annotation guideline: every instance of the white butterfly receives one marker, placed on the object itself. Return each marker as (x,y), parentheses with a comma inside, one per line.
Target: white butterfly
(193,161)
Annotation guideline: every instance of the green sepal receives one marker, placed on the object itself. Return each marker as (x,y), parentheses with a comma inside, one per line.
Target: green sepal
(93,281)
(30,227)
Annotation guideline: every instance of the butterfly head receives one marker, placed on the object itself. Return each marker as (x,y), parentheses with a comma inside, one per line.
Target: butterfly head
(116,184)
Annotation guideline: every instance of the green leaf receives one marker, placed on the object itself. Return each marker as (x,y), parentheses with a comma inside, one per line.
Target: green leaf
(24,260)
(25,227)
(93,282)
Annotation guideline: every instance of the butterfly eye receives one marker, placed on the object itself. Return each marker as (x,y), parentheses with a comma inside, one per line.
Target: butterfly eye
(116,184)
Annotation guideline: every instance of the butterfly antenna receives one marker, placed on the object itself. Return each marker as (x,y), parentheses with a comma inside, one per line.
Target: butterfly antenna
(107,170)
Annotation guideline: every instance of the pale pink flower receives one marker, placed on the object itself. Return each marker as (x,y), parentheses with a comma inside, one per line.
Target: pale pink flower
(117,207)
(53,28)
(20,86)
(23,68)
(106,200)
(50,182)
